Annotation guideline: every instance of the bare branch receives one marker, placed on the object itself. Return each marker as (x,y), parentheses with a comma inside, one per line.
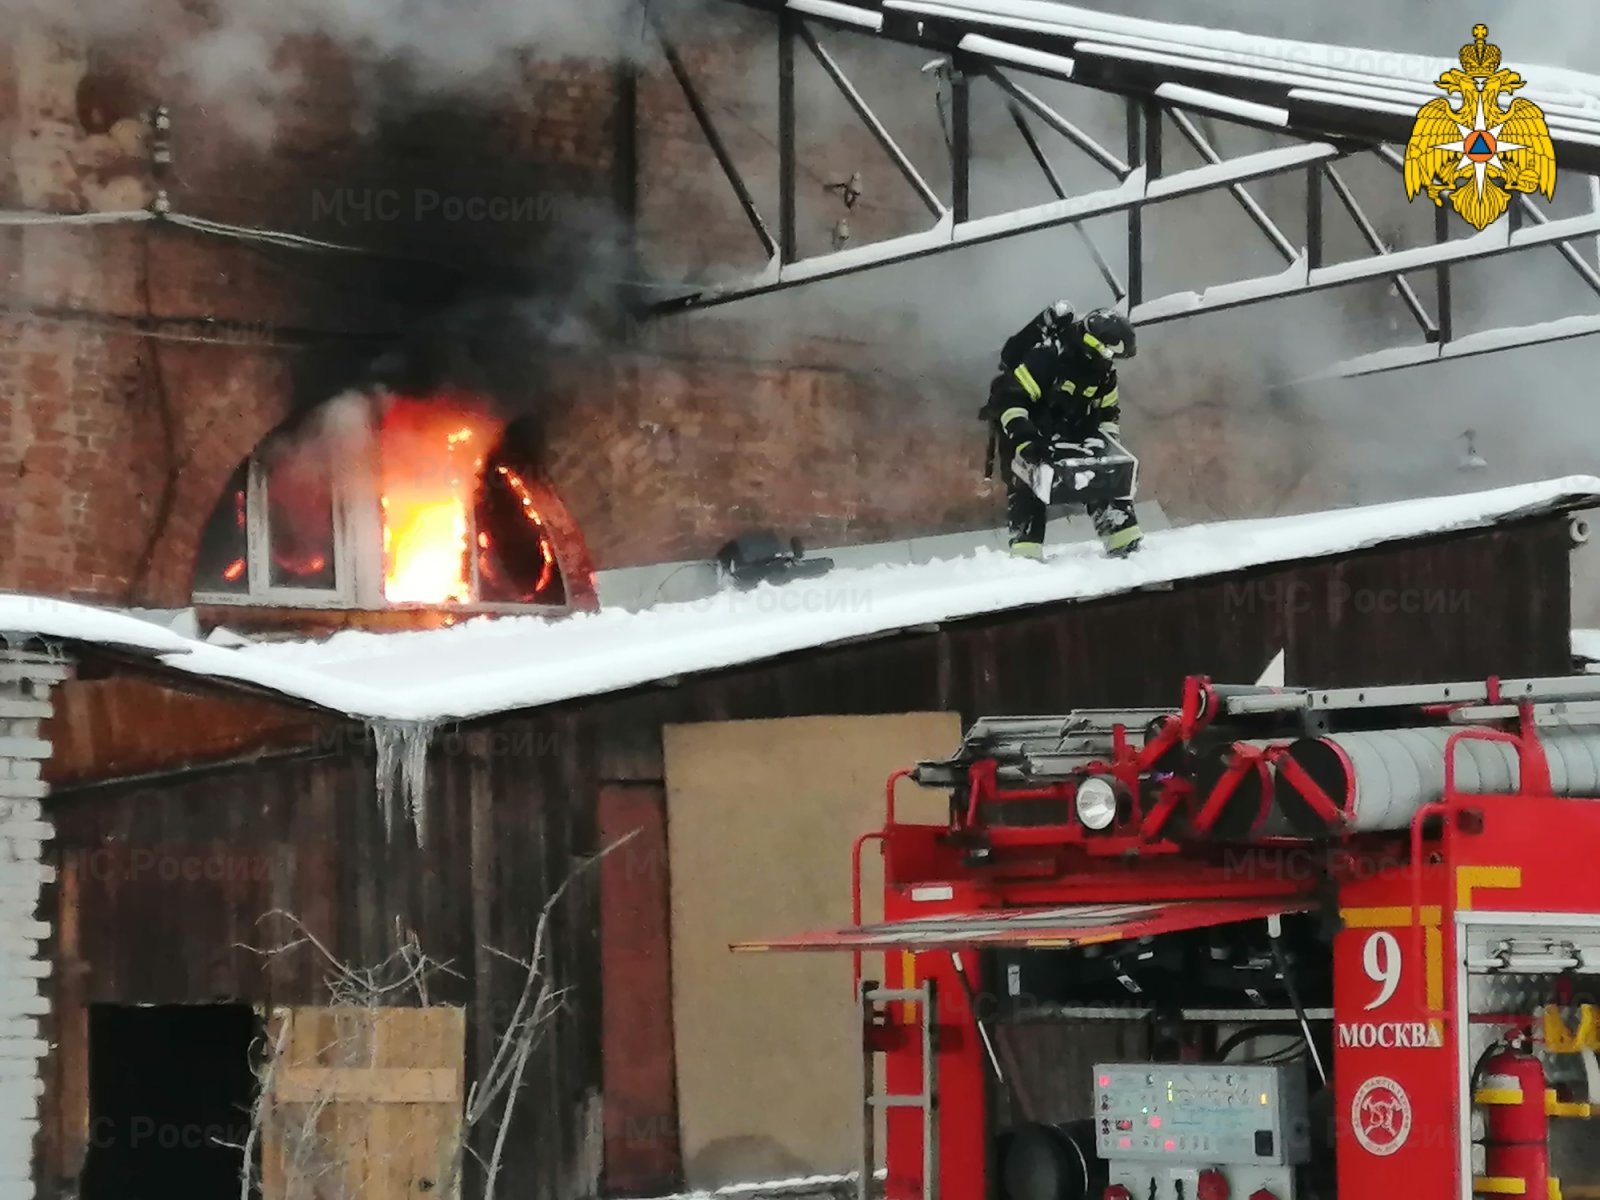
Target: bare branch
(364,992)
(258,1110)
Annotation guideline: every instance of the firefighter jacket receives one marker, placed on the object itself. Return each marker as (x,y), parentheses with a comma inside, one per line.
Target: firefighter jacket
(1058,395)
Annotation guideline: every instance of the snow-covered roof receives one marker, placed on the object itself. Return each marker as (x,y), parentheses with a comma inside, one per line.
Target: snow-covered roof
(1586,646)
(483,667)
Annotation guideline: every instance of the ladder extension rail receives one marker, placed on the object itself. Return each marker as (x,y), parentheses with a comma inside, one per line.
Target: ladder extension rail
(924,1000)
(1493,690)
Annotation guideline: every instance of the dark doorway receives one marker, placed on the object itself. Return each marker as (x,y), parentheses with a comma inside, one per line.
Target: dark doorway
(170,1095)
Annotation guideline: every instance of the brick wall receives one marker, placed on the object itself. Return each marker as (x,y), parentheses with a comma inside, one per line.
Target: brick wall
(838,423)
(734,69)
(118,445)
(114,444)
(26,681)
(669,457)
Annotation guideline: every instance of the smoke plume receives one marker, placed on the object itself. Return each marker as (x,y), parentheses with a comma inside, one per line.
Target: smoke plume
(230,53)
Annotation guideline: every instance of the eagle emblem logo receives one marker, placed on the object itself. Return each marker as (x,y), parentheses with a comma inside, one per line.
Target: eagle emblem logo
(1478,144)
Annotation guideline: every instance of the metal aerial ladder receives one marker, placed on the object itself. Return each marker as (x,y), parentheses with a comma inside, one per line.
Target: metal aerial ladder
(1055,747)
(1236,762)
(876,1022)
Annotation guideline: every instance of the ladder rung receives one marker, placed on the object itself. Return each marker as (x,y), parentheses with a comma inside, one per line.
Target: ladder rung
(898,1101)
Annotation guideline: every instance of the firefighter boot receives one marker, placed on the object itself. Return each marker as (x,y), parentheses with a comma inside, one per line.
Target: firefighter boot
(1121,549)
(1025,516)
(1118,527)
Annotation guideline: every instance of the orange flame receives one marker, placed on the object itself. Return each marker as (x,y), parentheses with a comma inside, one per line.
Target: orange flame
(525,495)
(431,459)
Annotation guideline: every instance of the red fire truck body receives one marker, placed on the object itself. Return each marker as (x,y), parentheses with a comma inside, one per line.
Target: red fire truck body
(1430,848)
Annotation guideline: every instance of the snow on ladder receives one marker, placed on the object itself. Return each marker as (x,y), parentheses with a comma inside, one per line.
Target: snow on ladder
(922,998)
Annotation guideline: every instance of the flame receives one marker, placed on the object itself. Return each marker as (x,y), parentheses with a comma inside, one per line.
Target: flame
(525,495)
(429,477)
(314,565)
(234,570)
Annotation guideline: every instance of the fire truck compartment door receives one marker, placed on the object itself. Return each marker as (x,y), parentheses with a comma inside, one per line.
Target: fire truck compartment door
(1035,928)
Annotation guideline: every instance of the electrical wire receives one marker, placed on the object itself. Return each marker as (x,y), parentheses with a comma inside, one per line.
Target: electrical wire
(215,332)
(279,239)
(128,217)
(270,237)
(292,241)
(655,597)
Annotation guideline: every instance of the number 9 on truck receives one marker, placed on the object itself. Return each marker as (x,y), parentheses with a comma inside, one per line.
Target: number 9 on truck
(1380,958)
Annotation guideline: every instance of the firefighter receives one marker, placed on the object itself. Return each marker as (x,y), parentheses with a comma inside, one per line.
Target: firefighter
(1048,327)
(1062,389)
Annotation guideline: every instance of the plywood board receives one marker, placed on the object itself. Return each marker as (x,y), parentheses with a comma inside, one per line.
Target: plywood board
(363,1102)
(761,816)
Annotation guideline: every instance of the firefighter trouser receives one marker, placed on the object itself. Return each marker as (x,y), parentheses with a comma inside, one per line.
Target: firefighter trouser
(1115,522)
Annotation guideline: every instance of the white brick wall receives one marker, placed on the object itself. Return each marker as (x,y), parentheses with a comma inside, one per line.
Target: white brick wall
(26,682)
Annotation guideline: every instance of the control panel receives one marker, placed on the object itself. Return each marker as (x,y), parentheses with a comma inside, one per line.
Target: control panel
(1223,1114)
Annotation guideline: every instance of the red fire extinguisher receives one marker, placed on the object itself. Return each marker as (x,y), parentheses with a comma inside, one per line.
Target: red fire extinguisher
(1511,1092)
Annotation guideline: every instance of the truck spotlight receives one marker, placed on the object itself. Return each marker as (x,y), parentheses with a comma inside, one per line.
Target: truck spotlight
(1096,804)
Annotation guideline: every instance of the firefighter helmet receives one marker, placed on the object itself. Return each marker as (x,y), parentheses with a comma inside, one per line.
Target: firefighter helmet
(1108,333)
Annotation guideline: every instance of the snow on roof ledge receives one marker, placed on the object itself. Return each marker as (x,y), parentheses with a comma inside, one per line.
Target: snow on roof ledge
(1586,644)
(484,667)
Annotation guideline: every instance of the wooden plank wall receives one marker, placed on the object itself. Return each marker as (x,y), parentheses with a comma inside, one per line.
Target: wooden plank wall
(166,882)
(172,883)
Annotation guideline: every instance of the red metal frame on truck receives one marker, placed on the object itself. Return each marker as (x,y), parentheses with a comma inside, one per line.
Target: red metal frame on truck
(1401,1075)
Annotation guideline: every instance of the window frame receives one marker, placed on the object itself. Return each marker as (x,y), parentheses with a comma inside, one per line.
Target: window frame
(261,591)
(358,552)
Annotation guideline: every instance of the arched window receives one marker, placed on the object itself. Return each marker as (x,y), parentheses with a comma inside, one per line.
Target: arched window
(383,501)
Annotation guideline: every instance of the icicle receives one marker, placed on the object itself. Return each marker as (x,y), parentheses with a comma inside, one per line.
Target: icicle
(402,771)
(388,735)
(414,774)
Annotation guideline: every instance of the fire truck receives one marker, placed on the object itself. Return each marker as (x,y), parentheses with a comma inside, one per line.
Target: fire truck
(1274,944)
